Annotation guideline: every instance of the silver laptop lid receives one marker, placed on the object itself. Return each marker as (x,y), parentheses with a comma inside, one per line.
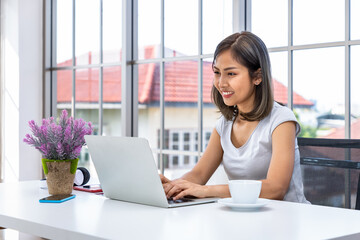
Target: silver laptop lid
(126,169)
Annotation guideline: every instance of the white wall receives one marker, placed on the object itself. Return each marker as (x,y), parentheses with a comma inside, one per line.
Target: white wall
(175,118)
(21,33)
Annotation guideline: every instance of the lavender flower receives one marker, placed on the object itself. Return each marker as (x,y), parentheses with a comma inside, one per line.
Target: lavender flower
(60,140)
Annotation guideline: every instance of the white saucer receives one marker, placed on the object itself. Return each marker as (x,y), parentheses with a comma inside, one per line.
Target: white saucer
(238,206)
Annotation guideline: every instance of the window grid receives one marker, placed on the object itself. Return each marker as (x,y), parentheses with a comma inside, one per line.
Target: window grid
(182,150)
(245,24)
(129,53)
(346,44)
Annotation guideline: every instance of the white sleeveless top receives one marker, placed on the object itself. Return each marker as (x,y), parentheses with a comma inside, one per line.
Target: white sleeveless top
(252,160)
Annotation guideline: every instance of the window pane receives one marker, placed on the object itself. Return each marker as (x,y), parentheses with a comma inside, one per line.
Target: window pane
(149,109)
(149,105)
(112,27)
(87,106)
(181,97)
(217,23)
(186,137)
(64,33)
(174,165)
(87,96)
(177,165)
(318,21)
(355,97)
(206,139)
(84,110)
(186,160)
(181,111)
(175,138)
(64,91)
(279,76)
(319,77)
(210,111)
(87,27)
(355,19)
(149,28)
(270,21)
(181,28)
(112,101)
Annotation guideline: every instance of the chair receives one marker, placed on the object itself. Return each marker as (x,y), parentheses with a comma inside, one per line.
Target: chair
(330,171)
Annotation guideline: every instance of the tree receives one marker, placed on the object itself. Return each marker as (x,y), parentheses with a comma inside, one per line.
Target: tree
(306,131)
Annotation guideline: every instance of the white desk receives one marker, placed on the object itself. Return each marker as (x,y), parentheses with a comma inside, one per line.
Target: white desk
(90,216)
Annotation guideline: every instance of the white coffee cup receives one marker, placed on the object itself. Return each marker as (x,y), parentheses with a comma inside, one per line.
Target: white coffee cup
(245,191)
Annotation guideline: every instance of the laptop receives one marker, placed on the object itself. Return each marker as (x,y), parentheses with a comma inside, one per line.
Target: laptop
(127,172)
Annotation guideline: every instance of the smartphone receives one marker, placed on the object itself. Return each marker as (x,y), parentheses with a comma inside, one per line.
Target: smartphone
(57,198)
(94,188)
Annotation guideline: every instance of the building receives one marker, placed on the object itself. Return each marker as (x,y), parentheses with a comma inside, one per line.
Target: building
(181,99)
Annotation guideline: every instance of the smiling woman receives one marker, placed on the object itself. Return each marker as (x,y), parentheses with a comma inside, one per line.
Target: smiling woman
(255,139)
(247,56)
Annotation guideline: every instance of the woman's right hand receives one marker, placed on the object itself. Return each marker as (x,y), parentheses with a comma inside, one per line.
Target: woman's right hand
(164,179)
(166,184)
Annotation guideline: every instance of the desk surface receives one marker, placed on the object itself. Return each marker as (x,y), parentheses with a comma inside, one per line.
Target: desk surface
(91,216)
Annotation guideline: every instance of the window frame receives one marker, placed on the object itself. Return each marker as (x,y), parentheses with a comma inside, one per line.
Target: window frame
(130,62)
(129,65)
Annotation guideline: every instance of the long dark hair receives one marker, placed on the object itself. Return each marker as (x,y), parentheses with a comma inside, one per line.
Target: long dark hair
(250,51)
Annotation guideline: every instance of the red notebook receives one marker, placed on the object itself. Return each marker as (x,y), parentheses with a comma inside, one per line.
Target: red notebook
(94,188)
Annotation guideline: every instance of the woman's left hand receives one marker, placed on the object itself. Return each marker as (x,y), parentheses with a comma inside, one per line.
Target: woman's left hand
(180,188)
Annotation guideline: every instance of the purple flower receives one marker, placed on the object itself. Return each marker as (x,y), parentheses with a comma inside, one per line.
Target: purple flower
(60,140)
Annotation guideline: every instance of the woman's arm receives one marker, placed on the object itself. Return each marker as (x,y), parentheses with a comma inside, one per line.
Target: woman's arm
(274,186)
(281,166)
(208,163)
(193,182)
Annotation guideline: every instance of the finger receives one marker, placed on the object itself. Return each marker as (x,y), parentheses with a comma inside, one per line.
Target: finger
(181,194)
(173,191)
(180,183)
(164,179)
(167,187)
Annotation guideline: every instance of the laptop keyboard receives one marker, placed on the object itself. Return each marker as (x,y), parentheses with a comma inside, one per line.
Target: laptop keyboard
(181,200)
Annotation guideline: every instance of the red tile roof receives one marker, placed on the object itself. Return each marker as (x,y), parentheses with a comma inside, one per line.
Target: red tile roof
(340,132)
(181,84)
(280,95)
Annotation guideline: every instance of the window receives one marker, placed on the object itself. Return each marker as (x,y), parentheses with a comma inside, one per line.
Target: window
(314,49)
(86,73)
(186,138)
(164,94)
(174,141)
(183,142)
(311,61)
(354,86)
(175,76)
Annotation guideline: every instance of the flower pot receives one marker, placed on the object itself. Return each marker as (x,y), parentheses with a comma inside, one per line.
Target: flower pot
(60,175)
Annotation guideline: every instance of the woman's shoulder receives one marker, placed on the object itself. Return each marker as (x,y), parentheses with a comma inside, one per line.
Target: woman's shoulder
(280,114)
(222,123)
(223,120)
(281,111)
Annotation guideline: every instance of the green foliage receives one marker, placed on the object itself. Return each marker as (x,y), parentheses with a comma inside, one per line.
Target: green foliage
(306,131)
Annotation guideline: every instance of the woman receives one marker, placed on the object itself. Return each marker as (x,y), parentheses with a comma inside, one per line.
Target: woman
(255,138)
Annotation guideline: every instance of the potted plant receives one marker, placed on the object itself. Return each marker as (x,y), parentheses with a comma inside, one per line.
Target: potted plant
(60,144)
